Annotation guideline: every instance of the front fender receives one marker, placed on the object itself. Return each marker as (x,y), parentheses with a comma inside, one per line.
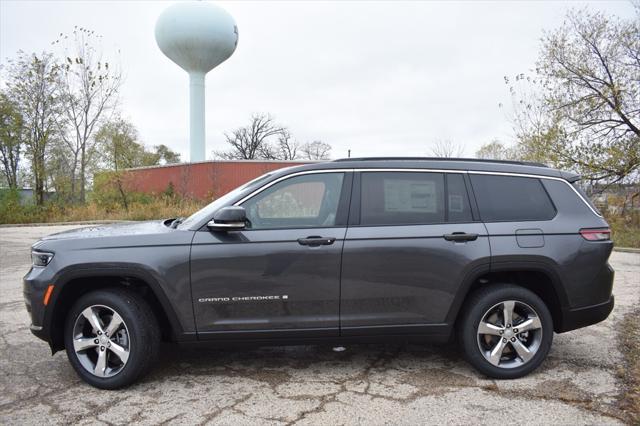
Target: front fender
(47,321)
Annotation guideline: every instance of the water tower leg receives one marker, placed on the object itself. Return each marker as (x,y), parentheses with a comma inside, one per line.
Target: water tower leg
(196,96)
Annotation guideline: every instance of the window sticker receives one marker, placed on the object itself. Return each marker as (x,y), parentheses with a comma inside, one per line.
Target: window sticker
(456,203)
(410,196)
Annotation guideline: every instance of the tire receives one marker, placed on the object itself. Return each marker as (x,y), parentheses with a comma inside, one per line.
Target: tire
(503,340)
(127,354)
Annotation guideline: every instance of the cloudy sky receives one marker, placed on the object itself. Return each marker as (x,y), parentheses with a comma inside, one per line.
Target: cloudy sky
(379,78)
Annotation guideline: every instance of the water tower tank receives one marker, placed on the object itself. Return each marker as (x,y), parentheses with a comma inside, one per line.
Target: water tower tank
(198,36)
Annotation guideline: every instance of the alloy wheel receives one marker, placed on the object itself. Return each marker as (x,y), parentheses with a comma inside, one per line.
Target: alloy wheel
(509,334)
(101,341)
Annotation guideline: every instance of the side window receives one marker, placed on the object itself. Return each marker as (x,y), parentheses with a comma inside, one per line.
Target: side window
(507,198)
(299,202)
(458,209)
(402,198)
(585,197)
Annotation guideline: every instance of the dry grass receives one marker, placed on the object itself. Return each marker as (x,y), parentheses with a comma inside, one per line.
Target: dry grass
(630,335)
(145,208)
(156,209)
(625,229)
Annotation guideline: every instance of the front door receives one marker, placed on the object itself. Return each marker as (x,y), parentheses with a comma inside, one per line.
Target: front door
(280,277)
(411,241)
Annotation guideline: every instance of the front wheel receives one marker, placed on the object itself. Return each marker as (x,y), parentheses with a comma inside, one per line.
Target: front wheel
(111,338)
(505,331)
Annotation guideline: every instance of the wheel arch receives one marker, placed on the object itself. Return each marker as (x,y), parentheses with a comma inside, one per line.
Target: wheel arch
(538,277)
(72,283)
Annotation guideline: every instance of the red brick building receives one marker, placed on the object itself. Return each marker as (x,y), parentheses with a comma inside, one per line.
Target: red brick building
(204,180)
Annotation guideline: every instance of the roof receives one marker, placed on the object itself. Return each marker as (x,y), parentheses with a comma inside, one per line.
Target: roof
(480,160)
(463,164)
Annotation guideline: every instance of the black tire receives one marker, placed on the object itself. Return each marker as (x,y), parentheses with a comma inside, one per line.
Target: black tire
(143,335)
(479,303)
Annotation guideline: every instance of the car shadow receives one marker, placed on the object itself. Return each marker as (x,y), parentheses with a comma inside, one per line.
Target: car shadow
(304,360)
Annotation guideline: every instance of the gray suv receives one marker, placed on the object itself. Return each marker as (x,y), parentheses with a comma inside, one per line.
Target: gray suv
(498,254)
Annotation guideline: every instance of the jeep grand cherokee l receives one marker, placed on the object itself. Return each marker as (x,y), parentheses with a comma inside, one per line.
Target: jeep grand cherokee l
(498,254)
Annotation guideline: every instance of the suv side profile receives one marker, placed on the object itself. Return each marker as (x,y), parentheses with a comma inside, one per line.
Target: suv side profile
(498,254)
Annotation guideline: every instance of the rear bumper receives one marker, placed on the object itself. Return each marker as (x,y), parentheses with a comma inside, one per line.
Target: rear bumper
(584,316)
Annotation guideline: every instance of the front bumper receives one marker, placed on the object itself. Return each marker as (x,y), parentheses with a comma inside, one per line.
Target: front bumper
(34,287)
(584,316)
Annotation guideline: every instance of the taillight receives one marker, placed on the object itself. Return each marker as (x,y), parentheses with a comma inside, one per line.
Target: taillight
(596,234)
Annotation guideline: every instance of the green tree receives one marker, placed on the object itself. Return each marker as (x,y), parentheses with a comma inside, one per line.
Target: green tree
(584,113)
(11,139)
(166,155)
(495,150)
(117,142)
(33,83)
(58,169)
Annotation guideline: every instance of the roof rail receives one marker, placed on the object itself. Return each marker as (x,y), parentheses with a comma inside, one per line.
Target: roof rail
(474,160)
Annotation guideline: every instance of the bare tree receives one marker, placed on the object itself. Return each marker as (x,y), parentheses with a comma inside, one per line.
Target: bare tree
(253,141)
(90,88)
(316,150)
(447,148)
(185,186)
(538,131)
(33,84)
(287,146)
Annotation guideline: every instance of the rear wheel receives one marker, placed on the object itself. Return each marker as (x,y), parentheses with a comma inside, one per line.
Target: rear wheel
(505,331)
(111,338)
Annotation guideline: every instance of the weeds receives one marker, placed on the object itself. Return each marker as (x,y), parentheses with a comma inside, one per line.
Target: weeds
(630,334)
(139,207)
(625,229)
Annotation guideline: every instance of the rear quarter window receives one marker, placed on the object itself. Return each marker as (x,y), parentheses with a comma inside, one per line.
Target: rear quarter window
(585,197)
(511,199)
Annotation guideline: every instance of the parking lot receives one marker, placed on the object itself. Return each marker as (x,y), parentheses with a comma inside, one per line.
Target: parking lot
(365,384)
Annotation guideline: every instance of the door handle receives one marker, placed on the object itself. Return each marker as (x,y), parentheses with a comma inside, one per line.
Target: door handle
(315,241)
(460,236)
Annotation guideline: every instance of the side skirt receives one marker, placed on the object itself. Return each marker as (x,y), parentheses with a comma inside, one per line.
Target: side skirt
(433,333)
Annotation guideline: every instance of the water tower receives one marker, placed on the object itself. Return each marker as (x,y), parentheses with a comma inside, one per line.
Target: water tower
(198,36)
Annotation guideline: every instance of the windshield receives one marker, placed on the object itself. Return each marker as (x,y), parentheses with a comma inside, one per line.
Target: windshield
(207,212)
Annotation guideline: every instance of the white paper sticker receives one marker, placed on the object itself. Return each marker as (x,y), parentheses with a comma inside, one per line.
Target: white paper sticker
(410,196)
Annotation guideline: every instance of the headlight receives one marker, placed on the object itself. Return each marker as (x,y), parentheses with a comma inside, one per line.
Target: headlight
(41,258)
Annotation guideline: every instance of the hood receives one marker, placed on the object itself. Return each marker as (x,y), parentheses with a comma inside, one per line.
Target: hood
(120,229)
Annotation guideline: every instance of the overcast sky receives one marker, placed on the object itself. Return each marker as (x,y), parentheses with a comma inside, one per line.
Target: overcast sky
(379,78)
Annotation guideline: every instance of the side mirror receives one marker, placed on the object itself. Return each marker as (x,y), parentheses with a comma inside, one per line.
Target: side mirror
(228,219)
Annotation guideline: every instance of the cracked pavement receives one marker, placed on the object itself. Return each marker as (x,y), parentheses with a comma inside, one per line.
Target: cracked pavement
(366,384)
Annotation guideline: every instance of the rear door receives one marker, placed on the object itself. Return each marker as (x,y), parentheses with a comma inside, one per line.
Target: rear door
(413,238)
(280,277)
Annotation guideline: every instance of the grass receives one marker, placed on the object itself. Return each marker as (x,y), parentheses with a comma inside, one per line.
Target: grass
(625,230)
(157,209)
(630,339)
(139,208)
